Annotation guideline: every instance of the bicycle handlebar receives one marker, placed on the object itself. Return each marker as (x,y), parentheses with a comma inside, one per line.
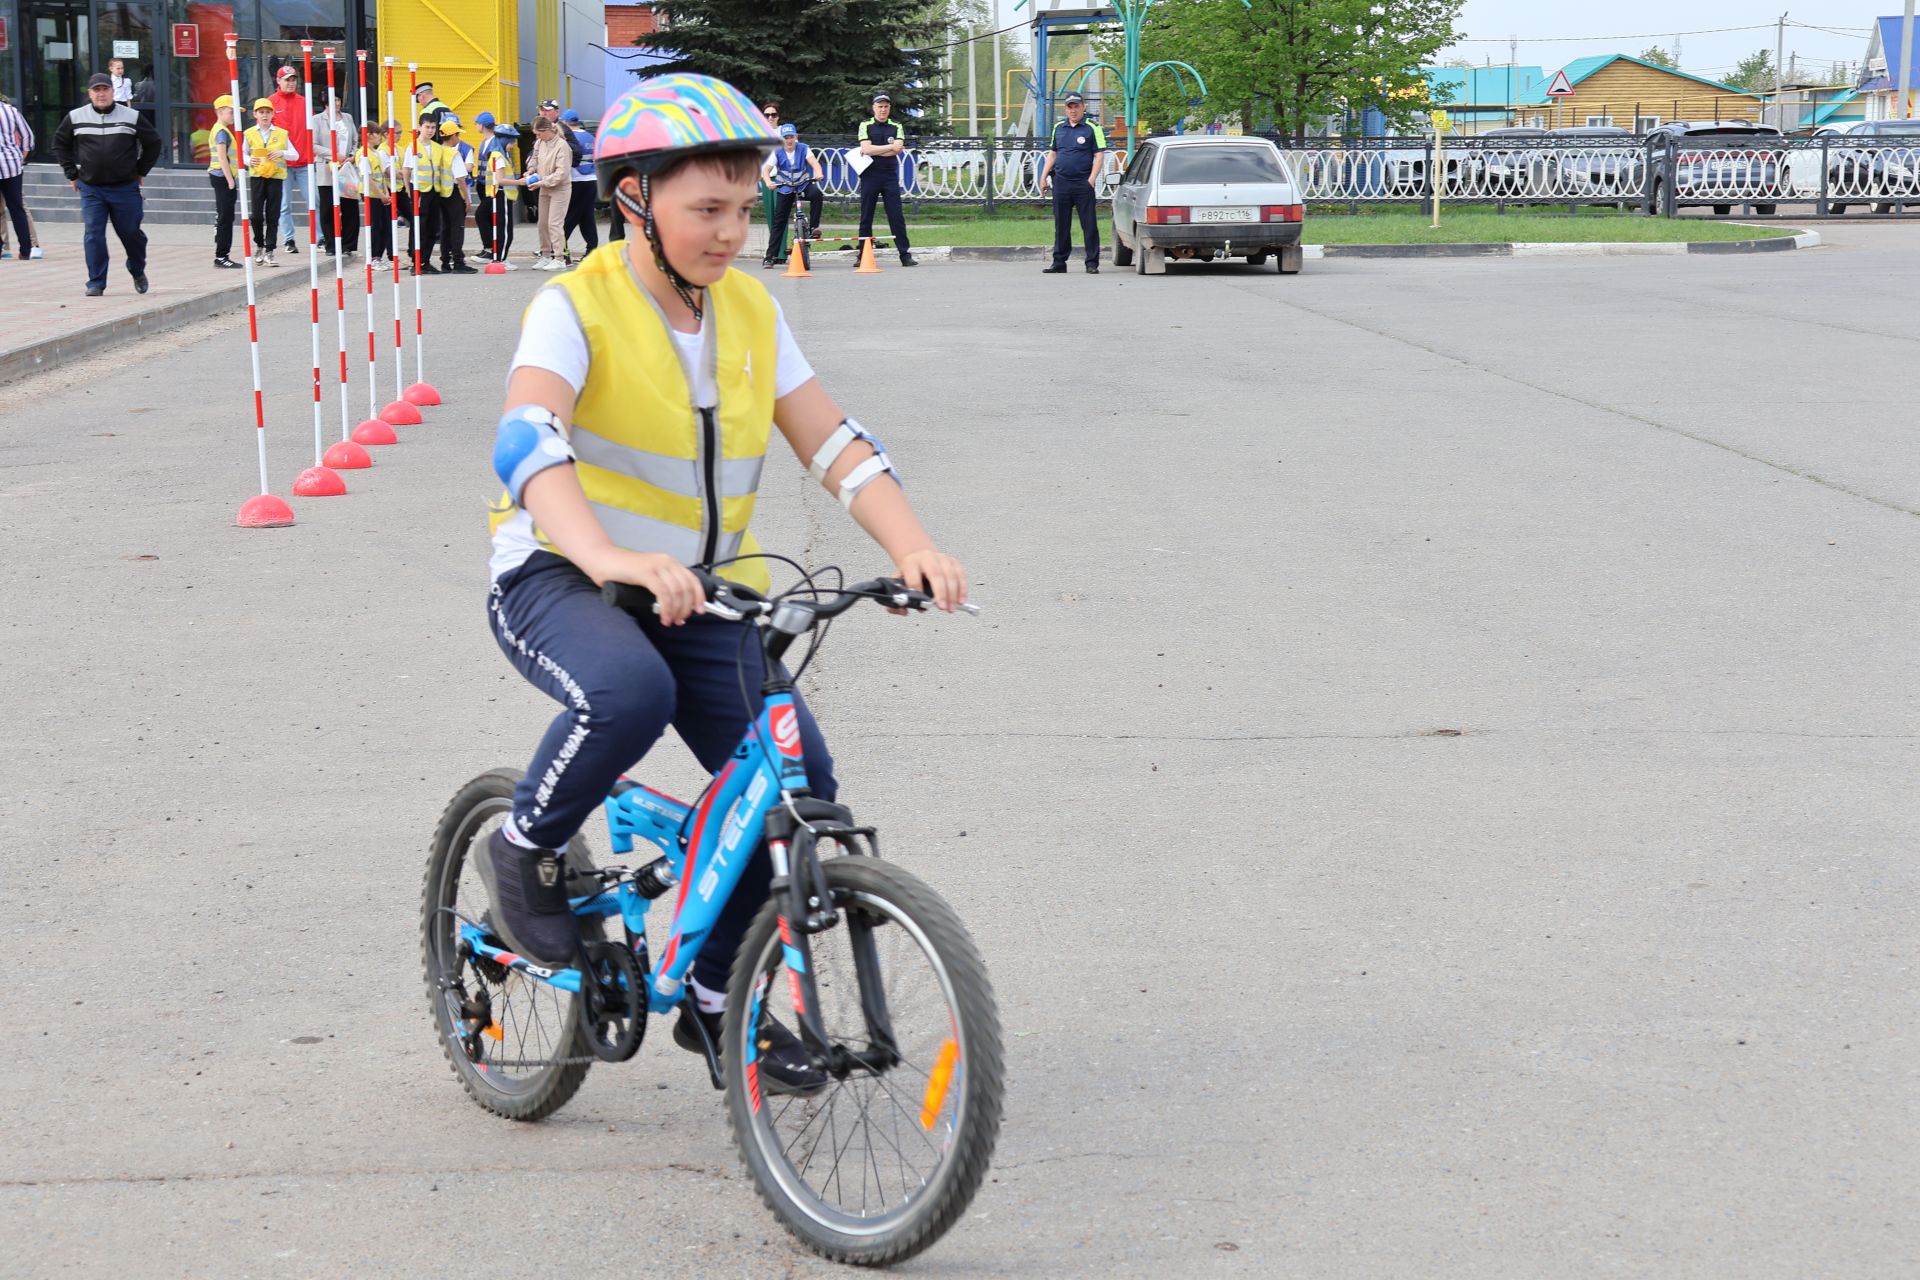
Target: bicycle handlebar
(736,603)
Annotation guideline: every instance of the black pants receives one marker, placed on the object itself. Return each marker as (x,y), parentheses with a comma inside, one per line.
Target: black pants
(580,216)
(425,229)
(620,681)
(349,219)
(379,230)
(1070,196)
(225,198)
(783,202)
(493,219)
(11,195)
(896,216)
(453,229)
(263,206)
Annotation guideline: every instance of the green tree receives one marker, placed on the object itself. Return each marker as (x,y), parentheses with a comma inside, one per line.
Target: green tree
(822,60)
(1296,62)
(1755,72)
(1658,57)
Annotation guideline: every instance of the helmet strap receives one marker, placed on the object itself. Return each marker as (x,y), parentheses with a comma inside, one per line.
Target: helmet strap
(643,210)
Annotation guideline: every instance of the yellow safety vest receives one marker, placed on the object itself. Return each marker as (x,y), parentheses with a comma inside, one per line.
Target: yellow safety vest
(434,171)
(268,154)
(218,136)
(660,474)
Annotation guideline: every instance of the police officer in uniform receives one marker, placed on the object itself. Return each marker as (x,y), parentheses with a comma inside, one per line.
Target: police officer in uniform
(431,108)
(1072,160)
(882,141)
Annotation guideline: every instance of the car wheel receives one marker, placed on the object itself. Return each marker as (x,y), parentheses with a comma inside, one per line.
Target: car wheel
(1765,210)
(1836,209)
(1256,259)
(1723,210)
(1140,254)
(1122,251)
(1882,206)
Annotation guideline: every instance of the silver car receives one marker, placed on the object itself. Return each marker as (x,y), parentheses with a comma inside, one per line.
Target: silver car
(1204,197)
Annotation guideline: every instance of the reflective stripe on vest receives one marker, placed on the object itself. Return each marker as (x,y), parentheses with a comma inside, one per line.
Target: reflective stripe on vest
(659,474)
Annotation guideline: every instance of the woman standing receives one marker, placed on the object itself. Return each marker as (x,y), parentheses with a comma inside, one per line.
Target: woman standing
(550,172)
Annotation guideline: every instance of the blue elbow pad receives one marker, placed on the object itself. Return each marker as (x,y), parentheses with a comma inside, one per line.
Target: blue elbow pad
(527,443)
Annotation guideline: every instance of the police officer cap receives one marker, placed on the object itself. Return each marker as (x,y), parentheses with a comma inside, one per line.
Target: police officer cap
(1073,99)
(425,86)
(882,97)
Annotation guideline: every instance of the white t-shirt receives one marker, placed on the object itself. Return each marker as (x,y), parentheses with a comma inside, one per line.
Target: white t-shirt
(551,338)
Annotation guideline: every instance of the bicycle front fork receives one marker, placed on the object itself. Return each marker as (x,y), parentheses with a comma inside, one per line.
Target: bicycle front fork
(806,907)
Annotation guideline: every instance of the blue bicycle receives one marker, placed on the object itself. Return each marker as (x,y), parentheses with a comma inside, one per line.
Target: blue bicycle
(887,991)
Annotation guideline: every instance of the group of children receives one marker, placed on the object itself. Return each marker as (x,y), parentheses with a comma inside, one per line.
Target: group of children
(446,173)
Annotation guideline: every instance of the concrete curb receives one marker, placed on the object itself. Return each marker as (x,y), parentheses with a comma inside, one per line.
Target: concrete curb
(1515,249)
(68,347)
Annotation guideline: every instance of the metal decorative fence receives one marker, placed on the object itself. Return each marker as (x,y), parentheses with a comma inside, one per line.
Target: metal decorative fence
(1657,173)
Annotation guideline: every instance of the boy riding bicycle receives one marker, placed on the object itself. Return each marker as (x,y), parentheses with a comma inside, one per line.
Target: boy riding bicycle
(635,429)
(794,173)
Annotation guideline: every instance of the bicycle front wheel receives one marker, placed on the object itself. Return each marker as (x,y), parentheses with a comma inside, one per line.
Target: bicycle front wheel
(879,1164)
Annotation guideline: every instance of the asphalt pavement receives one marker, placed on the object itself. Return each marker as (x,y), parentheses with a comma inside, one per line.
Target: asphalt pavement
(1433,782)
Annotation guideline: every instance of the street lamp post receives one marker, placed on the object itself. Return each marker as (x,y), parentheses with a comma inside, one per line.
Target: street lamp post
(1133,16)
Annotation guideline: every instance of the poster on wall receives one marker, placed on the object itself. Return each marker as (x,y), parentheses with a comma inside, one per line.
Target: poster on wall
(186,40)
(3,33)
(126,48)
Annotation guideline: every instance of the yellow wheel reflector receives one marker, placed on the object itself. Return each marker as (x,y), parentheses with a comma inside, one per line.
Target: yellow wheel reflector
(936,1095)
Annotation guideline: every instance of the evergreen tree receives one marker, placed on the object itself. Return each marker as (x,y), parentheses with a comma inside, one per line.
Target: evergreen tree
(821,60)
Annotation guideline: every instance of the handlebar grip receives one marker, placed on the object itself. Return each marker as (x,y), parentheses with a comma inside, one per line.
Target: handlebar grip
(624,595)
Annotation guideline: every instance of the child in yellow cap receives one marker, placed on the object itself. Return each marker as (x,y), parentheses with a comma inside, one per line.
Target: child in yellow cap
(267,150)
(223,174)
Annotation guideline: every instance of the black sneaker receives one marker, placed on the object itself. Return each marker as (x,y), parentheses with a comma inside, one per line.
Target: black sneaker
(1053,271)
(784,1066)
(291,246)
(1093,268)
(139,284)
(227,264)
(96,290)
(461,269)
(906,259)
(528,888)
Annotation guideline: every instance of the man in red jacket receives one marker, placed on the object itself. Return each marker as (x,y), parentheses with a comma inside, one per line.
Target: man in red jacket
(290,113)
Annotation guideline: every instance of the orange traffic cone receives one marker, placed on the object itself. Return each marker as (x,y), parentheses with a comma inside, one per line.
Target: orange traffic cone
(867,267)
(797,261)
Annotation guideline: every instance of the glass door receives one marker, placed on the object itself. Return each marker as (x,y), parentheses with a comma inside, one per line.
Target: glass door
(58,58)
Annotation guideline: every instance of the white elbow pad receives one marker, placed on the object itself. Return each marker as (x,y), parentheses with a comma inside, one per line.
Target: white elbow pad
(861,476)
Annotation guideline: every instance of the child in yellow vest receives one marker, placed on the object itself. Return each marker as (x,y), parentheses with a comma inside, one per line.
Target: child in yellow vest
(223,174)
(379,158)
(267,150)
(639,406)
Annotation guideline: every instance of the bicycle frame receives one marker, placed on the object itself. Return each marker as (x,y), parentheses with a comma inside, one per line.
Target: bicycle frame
(761,792)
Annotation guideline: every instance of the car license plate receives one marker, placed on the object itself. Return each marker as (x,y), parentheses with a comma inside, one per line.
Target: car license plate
(1232,213)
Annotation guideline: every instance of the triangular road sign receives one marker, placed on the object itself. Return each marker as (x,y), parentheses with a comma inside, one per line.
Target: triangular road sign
(1561,86)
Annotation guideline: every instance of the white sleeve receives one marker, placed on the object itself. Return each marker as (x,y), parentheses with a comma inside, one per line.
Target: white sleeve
(792,371)
(551,339)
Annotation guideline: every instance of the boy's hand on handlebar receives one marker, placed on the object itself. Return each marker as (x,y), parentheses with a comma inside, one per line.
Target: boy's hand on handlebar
(678,593)
(937,574)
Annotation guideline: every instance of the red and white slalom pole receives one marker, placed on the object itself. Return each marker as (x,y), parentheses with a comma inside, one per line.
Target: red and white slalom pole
(399,413)
(263,511)
(319,480)
(421,392)
(374,430)
(345,455)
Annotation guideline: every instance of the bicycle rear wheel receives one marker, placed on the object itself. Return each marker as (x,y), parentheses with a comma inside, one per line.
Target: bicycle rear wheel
(879,1164)
(528,1057)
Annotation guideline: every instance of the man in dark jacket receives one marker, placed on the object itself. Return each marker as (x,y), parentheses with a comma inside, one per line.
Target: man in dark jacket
(106,150)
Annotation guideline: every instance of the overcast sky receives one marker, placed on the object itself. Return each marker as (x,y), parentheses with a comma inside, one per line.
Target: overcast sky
(1546,29)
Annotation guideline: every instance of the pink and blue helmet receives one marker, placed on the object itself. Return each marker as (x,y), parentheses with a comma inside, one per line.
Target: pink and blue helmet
(667,118)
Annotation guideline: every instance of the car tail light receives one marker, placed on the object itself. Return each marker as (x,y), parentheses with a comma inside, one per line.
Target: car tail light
(1283,213)
(1163,214)
(1691,157)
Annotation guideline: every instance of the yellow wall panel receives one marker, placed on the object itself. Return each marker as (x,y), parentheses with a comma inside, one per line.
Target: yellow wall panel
(465,47)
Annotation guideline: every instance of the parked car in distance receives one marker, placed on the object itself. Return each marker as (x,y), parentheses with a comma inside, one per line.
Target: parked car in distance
(1201,197)
(1600,162)
(1884,169)
(1492,169)
(1709,162)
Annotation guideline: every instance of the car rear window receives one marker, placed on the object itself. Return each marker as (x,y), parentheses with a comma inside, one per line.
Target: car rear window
(1221,164)
(1883,127)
